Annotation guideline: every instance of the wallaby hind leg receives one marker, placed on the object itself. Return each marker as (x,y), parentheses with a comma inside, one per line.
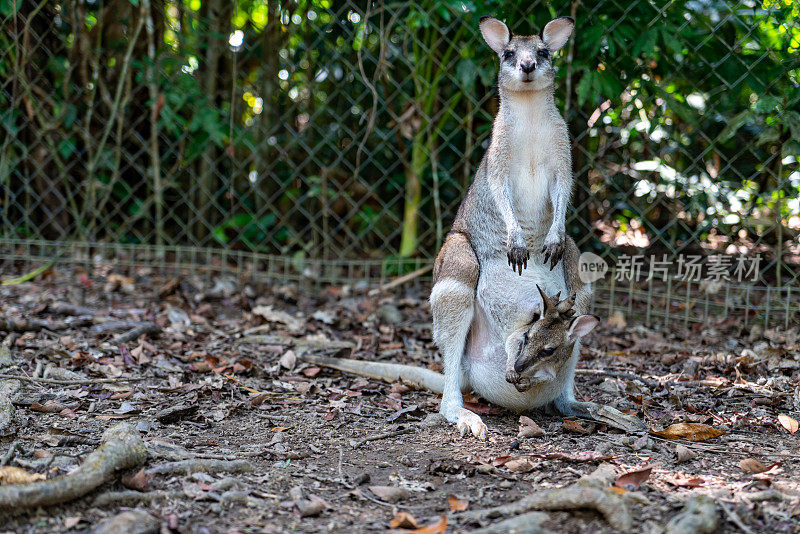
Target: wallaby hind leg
(575,286)
(455,279)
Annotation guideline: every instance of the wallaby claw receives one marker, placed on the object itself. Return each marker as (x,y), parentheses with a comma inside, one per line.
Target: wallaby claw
(553,253)
(517,251)
(518,258)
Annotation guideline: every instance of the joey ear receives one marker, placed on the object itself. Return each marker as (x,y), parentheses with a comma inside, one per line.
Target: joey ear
(556,32)
(582,325)
(495,33)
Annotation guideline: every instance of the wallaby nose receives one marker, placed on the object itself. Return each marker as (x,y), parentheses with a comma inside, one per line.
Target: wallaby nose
(527,66)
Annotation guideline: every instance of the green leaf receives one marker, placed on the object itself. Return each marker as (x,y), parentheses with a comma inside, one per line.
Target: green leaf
(767,103)
(66,147)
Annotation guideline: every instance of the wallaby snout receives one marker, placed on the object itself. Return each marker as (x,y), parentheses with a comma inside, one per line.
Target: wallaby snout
(528,66)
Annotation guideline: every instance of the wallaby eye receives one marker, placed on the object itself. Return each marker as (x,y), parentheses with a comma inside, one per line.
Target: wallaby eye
(544,53)
(508,54)
(525,338)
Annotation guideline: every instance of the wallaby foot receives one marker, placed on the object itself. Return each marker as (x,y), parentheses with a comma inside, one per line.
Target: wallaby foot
(470,421)
(603,414)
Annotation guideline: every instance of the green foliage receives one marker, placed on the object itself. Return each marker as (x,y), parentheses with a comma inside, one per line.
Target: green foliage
(680,107)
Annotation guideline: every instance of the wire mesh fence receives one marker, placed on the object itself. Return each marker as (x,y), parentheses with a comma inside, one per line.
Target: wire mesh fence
(314,133)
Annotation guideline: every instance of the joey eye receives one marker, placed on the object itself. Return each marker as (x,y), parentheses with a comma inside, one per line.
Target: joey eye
(508,54)
(549,352)
(543,53)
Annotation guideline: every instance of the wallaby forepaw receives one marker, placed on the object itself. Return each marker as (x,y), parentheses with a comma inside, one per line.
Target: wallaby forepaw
(517,252)
(553,251)
(470,421)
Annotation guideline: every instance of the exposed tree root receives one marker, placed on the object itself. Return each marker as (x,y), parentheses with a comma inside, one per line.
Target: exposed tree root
(590,491)
(122,448)
(699,516)
(187,467)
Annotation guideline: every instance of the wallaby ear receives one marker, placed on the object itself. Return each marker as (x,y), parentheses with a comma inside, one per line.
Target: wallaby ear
(582,325)
(556,32)
(495,33)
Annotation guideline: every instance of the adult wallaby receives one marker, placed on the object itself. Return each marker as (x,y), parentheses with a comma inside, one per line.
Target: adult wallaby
(499,332)
(483,312)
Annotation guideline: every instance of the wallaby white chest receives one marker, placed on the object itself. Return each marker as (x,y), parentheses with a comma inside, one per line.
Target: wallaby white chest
(532,164)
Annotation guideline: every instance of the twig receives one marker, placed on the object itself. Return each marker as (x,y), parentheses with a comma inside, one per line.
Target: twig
(76,382)
(401,280)
(187,467)
(122,448)
(384,435)
(9,455)
(65,308)
(29,275)
(734,517)
(32,324)
(136,332)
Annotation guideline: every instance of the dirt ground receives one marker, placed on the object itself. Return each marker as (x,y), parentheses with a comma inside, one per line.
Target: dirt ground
(220,377)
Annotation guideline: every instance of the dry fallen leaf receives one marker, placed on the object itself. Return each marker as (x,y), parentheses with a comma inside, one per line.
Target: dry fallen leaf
(440,527)
(683,453)
(528,428)
(633,479)
(389,493)
(288,360)
(576,427)
(15,475)
(456,504)
(72,522)
(690,431)
(137,482)
(788,423)
(520,465)
(693,482)
(403,520)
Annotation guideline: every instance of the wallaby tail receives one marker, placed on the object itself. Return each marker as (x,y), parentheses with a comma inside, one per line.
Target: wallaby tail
(390,372)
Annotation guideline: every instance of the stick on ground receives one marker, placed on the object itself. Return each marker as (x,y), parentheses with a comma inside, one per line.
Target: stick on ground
(122,448)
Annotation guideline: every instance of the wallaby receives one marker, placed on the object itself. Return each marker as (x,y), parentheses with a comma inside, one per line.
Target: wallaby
(484,312)
(498,331)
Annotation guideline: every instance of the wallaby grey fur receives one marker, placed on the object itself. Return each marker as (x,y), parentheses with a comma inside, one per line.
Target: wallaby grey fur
(498,331)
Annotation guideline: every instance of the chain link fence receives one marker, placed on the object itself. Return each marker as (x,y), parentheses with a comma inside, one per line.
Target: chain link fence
(333,140)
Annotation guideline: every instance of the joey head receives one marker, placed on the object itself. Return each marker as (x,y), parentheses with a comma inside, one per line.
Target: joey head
(538,348)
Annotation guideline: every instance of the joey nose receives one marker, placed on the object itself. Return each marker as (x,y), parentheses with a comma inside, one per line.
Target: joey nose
(527,66)
(520,364)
